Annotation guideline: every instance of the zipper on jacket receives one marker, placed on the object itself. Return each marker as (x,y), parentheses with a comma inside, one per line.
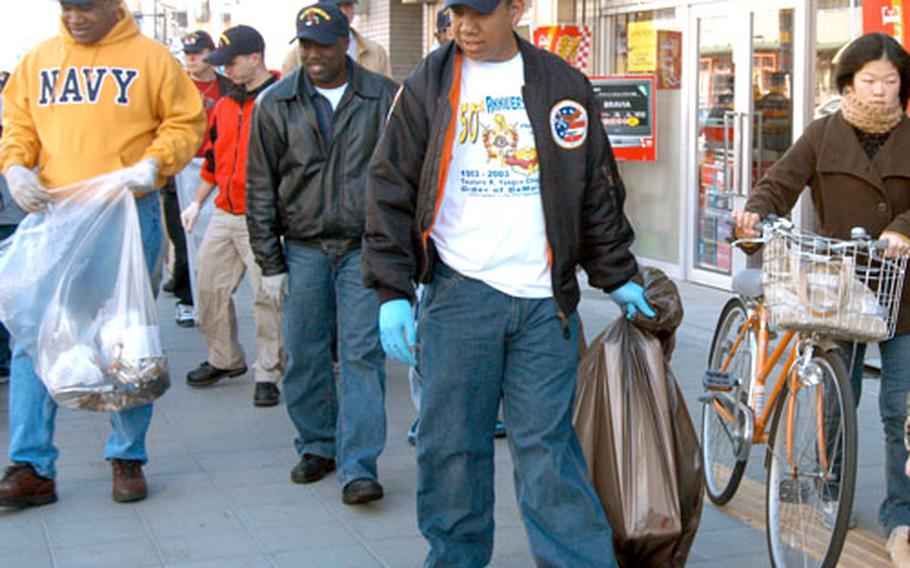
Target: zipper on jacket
(227,190)
(446,154)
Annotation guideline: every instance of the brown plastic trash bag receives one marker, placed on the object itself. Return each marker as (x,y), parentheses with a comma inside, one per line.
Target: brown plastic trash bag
(639,441)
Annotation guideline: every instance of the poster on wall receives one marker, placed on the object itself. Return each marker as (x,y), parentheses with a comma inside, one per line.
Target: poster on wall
(642,38)
(669,60)
(571,42)
(888,16)
(627,110)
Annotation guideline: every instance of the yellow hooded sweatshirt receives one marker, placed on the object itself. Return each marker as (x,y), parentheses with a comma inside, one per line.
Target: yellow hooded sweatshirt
(78,111)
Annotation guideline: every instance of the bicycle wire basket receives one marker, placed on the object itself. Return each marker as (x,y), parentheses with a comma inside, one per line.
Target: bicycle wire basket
(843,289)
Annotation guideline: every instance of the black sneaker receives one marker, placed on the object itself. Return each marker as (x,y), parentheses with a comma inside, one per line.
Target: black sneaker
(206,375)
(169,286)
(361,491)
(266,394)
(312,468)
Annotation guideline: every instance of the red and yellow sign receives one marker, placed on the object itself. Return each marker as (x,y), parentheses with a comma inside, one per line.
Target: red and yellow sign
(571,42)
(889,16)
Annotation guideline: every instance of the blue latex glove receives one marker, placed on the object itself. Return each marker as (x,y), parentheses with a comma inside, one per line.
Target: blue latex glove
(396,330)
(630,297)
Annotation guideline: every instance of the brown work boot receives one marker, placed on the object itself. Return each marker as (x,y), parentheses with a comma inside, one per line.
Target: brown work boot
(21,486)
(129,483)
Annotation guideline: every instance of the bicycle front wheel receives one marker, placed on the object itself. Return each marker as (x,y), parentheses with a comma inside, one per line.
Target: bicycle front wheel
(812,469)
(724,443)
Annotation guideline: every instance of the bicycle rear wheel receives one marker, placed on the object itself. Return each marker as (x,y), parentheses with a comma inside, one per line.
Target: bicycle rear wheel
(809,494)
(724,444)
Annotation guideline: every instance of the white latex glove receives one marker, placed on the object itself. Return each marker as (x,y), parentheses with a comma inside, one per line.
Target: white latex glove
(189,216)
(275,288)
(141,178)
(26,190)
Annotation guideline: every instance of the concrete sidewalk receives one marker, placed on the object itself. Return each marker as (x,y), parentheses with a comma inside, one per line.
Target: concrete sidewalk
(220,493)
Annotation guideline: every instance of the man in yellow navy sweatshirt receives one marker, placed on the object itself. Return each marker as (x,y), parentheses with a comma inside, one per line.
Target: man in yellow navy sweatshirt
(96,99)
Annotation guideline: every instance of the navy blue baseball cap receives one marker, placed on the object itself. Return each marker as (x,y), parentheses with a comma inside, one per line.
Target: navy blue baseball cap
(323,23)
(197,41)
(239,40)
(479,6)
(443,20)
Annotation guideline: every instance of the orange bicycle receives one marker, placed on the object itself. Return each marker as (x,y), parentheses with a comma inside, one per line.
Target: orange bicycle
(786,320)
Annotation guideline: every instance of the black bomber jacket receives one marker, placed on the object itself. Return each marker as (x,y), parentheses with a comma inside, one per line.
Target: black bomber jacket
(580,187)
(301,187)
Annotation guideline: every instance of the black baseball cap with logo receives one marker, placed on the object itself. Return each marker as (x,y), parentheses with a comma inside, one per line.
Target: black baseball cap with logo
(197,41)
(323,23)
(479,6)
(239,40)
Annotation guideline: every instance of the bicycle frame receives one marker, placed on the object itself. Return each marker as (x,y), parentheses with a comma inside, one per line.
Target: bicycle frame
(759,318)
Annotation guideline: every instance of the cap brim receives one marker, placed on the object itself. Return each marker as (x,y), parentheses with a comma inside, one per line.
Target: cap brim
(326,39)
(219,57)
(479,6)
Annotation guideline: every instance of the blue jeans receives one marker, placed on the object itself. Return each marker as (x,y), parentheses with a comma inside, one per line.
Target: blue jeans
(892,406)
(344,420)
(479,346)
(32,410)
(6,231)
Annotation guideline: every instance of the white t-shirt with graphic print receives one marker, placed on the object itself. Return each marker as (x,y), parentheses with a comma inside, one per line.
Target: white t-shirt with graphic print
(490,225)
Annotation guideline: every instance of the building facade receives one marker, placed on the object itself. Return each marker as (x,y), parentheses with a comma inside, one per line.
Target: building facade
(749,76)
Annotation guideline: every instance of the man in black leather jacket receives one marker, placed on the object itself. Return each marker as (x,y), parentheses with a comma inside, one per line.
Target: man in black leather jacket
(311,140)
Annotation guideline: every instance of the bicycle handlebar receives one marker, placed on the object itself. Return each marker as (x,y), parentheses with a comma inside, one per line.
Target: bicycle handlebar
(775,221)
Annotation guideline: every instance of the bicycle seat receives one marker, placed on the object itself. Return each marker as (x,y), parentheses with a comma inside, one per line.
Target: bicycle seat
(747,283)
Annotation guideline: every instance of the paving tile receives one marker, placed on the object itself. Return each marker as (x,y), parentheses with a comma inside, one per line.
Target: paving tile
(137,553)
(328,557)
(401,552)
(290,537)
(242,460)
(72,533)
(715,544)
(26,557)
(249,561)
(87,502)
(240,480)
(206,544)
(303,510)
(20,533)
(199,521)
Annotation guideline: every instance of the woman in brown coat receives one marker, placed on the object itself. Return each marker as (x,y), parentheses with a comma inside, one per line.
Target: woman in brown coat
(857,164)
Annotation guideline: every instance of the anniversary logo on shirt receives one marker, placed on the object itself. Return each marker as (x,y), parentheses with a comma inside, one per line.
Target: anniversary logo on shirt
(498,129)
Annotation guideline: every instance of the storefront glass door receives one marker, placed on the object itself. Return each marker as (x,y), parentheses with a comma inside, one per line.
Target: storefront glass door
(743,119)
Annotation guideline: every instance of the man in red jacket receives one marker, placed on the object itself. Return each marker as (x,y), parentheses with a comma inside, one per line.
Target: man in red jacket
(225,254)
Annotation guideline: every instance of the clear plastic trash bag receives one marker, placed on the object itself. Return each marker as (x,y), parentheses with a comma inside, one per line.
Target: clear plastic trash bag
(75,295)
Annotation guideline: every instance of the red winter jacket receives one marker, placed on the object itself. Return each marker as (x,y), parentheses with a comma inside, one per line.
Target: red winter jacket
(226,146)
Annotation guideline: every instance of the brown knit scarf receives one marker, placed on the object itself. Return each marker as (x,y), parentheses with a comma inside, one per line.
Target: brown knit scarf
(869,118)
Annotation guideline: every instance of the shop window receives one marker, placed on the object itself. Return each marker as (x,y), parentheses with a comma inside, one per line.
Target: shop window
(655,196)
(838,23)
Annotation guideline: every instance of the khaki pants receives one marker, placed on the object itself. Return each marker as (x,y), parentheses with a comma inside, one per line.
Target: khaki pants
(224,257)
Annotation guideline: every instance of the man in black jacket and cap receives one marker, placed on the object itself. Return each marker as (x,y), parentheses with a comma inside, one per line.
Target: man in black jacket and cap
(493,182)
(311,140)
